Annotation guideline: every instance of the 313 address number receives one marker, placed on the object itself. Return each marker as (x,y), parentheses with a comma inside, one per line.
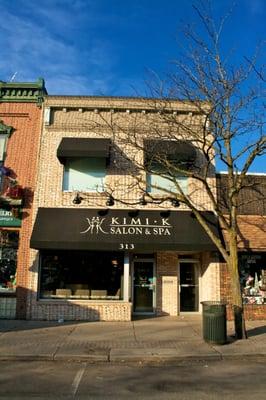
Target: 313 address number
(126,246)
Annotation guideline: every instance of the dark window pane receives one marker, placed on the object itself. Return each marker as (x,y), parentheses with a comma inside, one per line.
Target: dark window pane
(189,287)
(143,286)
(8,259)
(81,274)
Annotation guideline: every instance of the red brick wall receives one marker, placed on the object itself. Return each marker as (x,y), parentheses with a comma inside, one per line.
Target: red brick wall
(251,311)
(22,157)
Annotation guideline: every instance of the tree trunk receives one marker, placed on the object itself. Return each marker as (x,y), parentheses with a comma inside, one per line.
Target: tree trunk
(240,329)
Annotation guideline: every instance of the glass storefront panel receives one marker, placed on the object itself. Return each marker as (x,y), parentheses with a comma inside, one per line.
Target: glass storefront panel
(252,268)
(81,275)
(189,287)
(143,286)
(8,260)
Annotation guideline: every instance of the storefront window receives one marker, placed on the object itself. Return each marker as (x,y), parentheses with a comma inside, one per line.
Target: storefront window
(8,260)
(253,277)
(81,275)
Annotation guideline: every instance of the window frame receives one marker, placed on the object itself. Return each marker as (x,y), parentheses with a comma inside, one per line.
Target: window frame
(10,247)
(252,269)
(5,133)
(160,171)
(81,280)
(98,187)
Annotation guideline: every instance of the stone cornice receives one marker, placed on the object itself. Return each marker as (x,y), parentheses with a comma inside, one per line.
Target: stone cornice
(124,104)
(22,92)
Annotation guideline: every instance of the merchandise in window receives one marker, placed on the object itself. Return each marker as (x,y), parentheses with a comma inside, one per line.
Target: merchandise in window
(253,277)
(81,275)
(8,260)
(84,174)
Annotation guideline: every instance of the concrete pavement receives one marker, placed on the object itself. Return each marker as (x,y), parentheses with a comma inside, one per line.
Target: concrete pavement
(142,340)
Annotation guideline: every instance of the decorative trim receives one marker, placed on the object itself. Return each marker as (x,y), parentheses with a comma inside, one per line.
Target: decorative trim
(117,109)
(17,92)
(17,115)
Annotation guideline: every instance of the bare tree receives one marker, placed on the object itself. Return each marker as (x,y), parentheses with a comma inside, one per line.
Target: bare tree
(209,103)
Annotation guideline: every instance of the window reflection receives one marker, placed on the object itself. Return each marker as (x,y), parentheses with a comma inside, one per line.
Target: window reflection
(81,275)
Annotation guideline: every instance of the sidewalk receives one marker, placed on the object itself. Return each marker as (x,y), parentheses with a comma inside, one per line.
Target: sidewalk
(142,340)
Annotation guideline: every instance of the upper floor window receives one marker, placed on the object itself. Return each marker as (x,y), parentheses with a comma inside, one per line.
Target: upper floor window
(84,174)
(162,183)
(3,141)
(5,132)
(85,161)
(164,162)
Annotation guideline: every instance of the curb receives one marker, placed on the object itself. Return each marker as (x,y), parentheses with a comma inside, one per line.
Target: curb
(129,358)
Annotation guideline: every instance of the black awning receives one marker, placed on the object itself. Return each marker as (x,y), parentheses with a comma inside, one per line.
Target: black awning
(125,230)
(174,150)
(83,147)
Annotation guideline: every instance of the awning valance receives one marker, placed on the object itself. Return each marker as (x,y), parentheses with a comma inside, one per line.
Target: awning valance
(124,229)
(175,150)
(83,147)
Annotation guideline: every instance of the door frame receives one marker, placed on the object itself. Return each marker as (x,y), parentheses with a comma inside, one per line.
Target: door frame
(188,261)
(150,260)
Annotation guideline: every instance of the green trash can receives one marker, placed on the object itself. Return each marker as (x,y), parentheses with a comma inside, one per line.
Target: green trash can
(214,322)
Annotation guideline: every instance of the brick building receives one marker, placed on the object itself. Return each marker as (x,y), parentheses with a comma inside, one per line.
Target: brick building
(251,245)
(100,251)
(20,128)
(94,257)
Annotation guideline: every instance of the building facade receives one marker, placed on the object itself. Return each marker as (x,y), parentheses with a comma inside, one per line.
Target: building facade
(100,251)
(89,245)
(20,128)
(251,245)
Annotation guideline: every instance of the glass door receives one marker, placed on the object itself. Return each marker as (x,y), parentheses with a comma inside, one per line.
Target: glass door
(189,286)
(143,288)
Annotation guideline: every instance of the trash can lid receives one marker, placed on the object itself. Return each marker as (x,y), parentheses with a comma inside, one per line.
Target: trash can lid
(213,303)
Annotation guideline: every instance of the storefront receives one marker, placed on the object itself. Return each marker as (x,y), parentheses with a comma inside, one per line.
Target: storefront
(100,249)
(20,129)
(150,260)
(9,241)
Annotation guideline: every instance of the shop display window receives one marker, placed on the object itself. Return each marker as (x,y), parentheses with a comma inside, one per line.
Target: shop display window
(84,174)
(81,275)
(253,277)
(8,260)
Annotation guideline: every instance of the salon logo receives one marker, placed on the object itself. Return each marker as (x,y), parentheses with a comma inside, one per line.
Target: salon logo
(129,226)
(95,225)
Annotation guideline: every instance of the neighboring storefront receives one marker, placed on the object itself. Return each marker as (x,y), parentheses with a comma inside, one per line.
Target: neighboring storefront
(20,128)
(251,245)
(9,242)
(95,258)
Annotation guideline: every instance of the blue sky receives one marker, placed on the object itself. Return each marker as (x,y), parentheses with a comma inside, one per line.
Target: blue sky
(105,47)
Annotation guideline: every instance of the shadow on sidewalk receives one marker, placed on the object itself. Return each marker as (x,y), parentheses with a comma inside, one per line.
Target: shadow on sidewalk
(152,317)
(259,330)
(24,325)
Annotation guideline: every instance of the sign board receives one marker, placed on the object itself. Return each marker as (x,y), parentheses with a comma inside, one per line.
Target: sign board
(7,218)
(123,229)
